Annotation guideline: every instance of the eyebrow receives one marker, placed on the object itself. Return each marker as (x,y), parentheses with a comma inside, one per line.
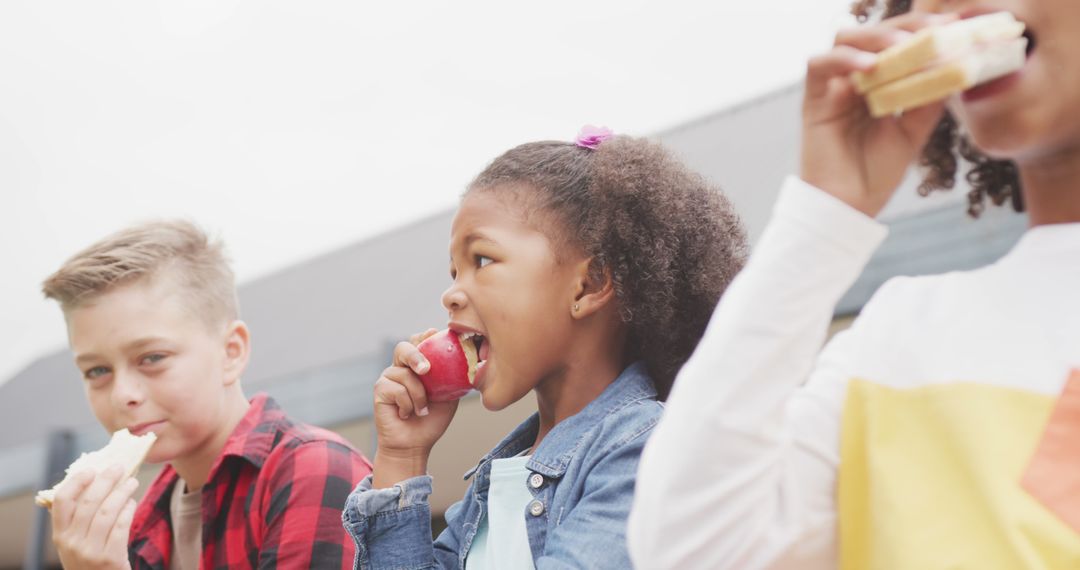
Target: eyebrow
(85,357)
(477,236)
(129,346)
(471,238)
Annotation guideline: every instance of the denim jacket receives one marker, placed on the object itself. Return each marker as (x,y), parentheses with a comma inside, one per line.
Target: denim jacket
(581,478)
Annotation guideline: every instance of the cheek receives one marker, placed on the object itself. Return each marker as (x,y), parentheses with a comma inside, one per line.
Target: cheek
(101,404)
(183,391)
(1063,79)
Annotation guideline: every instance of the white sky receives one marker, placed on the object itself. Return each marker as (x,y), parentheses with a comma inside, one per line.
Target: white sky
(293,128)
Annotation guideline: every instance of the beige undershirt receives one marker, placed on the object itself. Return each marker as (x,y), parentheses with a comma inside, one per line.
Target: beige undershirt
(185,511)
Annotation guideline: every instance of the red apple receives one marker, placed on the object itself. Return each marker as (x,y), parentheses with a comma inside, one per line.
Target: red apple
(453,366)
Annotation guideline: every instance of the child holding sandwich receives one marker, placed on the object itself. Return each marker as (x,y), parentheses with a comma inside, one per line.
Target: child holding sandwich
(152,321)
(587,270)
(940,430)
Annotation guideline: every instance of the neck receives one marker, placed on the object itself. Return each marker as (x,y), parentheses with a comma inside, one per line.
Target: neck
(595,358)
(194,468)
(1052,188)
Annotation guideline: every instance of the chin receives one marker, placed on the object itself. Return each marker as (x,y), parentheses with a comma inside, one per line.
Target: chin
(493,402)
(995,136)
(158,456)
(1018,146)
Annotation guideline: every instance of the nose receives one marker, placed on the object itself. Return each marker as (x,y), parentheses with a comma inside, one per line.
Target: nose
(128,390)
(454,299)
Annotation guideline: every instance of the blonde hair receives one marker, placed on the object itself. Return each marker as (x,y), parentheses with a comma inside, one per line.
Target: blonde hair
(176,249)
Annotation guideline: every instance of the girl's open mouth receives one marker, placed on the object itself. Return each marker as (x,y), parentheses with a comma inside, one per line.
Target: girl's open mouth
(476,349)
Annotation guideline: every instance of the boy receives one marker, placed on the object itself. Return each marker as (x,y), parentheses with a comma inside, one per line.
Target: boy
(153,324)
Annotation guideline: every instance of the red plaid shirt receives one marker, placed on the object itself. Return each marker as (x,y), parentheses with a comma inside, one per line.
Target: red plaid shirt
(273,499)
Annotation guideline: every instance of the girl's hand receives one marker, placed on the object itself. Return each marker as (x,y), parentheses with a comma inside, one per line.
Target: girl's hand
(846,152)
(406,424)
(91,519)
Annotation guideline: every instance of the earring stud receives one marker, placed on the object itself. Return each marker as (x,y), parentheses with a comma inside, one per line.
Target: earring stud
(576,307)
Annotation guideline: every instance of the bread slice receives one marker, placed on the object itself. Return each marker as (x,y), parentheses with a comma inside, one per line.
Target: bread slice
(940,81)
(932,45)
(124,449)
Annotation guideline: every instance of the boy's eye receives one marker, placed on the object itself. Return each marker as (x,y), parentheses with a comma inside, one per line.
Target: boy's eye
(95,372)
(152,358)
(482,260)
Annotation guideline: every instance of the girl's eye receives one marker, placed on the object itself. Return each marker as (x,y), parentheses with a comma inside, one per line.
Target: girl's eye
(482,260)
(95,372)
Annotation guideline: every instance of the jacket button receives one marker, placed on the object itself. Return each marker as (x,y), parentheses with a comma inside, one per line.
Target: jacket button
(536,480)
(536,508)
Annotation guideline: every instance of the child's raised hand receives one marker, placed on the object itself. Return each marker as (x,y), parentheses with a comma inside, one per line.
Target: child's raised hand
(845,151)
(91,519)
(407,425)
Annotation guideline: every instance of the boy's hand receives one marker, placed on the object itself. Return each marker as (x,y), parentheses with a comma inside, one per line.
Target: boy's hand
(407,425)
(845,151)
(91,518)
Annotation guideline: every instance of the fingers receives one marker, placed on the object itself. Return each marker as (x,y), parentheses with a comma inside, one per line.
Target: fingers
(915,21)
(121,530)
(877,37)
(64,502)
(841,61)
(421,337)
(855,49)
(388,392)
(108,512)
(88,504)
(406,354)
(870,38)
(400,387)
(92,515)
(400,384)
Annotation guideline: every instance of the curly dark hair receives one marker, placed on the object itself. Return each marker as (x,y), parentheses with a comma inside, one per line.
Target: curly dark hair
(669,239)
(990,179)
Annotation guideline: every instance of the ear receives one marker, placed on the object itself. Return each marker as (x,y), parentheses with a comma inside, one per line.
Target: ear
(593,291)
(237,351)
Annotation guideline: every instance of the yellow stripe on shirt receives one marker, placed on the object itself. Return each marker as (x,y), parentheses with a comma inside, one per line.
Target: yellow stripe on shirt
(930,478)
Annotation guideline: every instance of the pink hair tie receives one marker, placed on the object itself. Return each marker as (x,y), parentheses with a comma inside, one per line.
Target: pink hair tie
(590,137)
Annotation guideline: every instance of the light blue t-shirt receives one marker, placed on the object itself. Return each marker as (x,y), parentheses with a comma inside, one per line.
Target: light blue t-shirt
(502,541)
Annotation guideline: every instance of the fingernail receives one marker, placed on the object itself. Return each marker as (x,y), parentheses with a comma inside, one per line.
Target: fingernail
(865,59)
(422,366)
(131,483)
(423,411)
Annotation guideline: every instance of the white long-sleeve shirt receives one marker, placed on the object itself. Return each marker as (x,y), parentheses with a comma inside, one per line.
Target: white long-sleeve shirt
(742,471)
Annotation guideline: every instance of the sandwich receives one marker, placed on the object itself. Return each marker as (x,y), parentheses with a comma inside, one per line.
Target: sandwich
(939,61)
(124,449)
